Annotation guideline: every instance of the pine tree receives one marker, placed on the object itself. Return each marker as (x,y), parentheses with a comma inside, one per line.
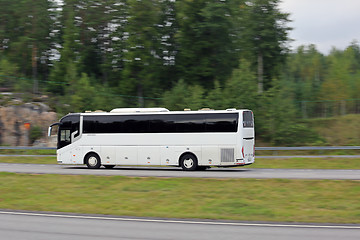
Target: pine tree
(207,49)
(264,37)
(141,59)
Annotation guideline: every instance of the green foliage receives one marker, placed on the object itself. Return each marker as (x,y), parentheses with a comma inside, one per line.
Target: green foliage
(35,133)
(8,71)
(91,55)
(277,119)
(182,96)
(241,89)
(264,37)
(207,45)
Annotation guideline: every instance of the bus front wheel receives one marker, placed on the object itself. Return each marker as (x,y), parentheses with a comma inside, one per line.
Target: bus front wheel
(92,160)
(189,162)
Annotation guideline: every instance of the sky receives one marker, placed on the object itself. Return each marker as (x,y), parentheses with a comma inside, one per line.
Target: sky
(325,23)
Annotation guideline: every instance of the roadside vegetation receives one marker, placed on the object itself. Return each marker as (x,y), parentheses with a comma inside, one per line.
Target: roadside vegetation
(27,152)
(327,201)
(177,54)
(307,163)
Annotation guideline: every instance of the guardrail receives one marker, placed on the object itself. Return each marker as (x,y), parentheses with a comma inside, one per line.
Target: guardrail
(308,148)
(256,148)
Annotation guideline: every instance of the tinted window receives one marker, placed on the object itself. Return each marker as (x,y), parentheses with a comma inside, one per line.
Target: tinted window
(222,122)
(248,120)
(161,123)
(190,123)
(115,124)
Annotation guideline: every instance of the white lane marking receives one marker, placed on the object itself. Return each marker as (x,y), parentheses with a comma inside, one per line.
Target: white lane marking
(183,221)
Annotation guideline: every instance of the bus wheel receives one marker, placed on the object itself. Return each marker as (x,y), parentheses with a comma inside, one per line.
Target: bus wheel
(109,166)
(188,162)
(92,160)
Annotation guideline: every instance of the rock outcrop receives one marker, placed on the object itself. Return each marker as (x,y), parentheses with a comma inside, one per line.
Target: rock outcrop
(16,122)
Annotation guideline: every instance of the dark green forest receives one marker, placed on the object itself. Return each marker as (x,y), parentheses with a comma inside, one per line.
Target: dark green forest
(97,54)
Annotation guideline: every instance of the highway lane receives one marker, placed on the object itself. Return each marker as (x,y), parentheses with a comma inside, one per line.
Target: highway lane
(27,225)
(177,172)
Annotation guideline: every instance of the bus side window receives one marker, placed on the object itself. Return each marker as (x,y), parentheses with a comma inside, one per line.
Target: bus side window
(65,135)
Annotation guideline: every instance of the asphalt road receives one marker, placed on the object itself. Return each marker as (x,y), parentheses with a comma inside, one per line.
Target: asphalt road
(177,172)
(20,225)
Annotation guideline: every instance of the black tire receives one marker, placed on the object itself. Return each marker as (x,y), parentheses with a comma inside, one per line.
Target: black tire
(93,161)
(189,162)
(109,166)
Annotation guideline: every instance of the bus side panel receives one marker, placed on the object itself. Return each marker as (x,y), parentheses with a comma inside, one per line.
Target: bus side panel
(149,155)
(168,156)
(76,155)
(210,156)
(64,157)
(126,155)
(108,155)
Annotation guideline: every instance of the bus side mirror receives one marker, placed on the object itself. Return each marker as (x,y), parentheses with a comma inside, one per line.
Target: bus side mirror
(50,128)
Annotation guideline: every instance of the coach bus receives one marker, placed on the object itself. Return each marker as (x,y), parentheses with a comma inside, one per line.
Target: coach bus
(193,140)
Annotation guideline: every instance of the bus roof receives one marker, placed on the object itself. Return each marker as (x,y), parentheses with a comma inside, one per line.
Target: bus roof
(135,111)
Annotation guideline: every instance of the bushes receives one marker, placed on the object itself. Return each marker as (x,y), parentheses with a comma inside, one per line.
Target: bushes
(35,133)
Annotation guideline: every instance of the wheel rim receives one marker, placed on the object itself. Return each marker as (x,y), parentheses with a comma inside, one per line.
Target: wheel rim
(188,163)
(92,161)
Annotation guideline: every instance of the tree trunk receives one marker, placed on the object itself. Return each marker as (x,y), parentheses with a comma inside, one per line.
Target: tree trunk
(34,69)
(260,73)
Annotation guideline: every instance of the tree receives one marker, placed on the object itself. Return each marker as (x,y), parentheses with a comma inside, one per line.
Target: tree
(8,71)
(82,97)
(277,118)
(306,68)
(206,45)
(183,96)
(264,37)
(69,56)
(241,89)
(141,59)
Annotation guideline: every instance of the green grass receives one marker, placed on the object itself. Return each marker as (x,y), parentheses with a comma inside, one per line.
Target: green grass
(298,163)
(338,131)
(233,199)
(34,160)
(306,152)
(28,151)
(307,163)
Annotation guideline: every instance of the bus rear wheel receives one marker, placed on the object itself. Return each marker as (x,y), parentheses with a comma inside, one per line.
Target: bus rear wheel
(188,162)
(92,160)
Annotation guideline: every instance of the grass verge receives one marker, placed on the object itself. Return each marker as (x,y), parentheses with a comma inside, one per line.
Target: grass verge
(329,201)
(307,163)
(34,160)
(28,151)
(295,163)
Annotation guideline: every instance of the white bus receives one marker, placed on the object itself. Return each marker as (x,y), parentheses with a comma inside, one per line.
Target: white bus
(194,140)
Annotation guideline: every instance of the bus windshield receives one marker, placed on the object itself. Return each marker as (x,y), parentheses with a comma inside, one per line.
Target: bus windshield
(68,129)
